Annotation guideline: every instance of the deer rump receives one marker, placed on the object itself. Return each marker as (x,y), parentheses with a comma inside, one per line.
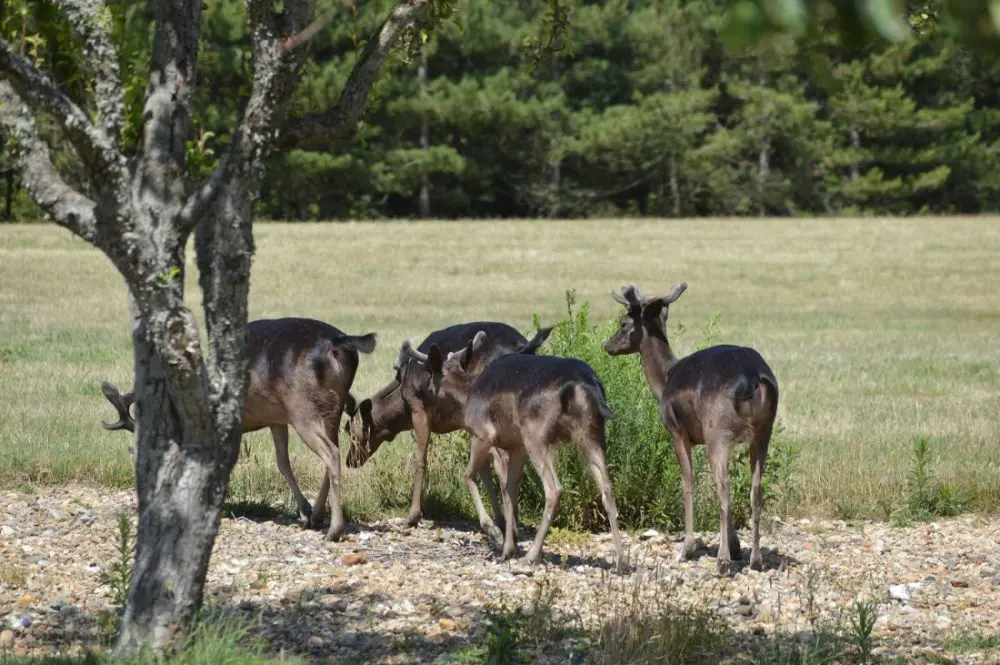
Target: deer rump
(520,389)
(734,376)
(299,359)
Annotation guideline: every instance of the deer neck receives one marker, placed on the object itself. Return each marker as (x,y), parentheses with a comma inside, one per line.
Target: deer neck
(657,358)
(391,418)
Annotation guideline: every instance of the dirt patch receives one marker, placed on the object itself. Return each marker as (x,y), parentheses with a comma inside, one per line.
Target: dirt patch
(389,593)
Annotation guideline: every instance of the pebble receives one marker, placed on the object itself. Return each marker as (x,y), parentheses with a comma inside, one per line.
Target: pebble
(355,559)
(359,599)
(899,592)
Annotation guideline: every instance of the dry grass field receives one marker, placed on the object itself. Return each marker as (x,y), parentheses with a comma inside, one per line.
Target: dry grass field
(879,331)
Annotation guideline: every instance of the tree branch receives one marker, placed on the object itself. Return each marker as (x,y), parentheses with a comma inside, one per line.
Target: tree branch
(224,238)
(94,146)
(66,206)
(341,120)
(298,39)
(89,19)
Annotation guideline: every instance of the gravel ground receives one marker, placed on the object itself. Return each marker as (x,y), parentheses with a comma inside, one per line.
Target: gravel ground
(392,594)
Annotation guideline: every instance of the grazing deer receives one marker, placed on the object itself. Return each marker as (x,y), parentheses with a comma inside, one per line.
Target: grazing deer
(409,401)
(301,371)
(718,397)
(525,405)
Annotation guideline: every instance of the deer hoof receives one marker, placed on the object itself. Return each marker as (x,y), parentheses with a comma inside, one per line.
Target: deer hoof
(494,532)
(687,550)
(305,515)
(335,533)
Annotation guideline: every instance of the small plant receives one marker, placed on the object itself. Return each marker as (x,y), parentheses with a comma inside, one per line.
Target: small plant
(862,629)
(13,576)
(926,498)
(118,578)
(503,635)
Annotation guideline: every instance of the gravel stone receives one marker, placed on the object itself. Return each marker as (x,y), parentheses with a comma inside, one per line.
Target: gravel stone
(388,593)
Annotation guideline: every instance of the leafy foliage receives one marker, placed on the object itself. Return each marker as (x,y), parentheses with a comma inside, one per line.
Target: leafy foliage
(601,109)
(644,471)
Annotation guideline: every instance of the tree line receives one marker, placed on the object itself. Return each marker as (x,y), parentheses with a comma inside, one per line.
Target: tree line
(643,112)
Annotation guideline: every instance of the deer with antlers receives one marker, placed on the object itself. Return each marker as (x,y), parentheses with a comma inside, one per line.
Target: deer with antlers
(301,371)
(525,405)
(409,401)
(719,397)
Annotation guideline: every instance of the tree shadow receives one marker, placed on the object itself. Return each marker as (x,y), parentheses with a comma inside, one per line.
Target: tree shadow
(336,624)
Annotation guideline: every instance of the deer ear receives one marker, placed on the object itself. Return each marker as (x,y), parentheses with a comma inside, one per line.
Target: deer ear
(435,361)
(651,310)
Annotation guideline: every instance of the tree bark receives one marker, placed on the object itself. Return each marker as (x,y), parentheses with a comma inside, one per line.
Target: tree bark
(425,141)
(856,145)
(189,406)
(675,186)
(763,169)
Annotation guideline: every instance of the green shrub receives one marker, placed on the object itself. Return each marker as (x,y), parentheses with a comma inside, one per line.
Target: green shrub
(928,499)
(644,471)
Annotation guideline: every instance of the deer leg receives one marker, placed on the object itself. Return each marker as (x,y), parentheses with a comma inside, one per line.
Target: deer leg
(541,459)
(323,441)
(319,508)
(512,488)
(280,435)
(501,466)
(682,448)
(491,491)
(478,453)
(718,459)
(422,437)
(758,458)
(593,448)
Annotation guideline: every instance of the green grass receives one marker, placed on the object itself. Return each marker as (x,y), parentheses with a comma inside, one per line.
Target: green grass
(880,331)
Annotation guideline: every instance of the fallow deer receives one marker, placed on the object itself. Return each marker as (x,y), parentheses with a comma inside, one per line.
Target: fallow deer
(409,401)
(526,405)
(718,397)
(301,371)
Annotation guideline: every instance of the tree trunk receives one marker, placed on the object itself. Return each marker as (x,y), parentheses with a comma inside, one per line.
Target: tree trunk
(856,145)
(675,186)
(763,169)
(555,157)
(8,203)
(182,472)
(425,141)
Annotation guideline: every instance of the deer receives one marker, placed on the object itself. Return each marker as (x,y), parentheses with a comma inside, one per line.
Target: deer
(301,372)
(525,405)
(719,397)
(410,402)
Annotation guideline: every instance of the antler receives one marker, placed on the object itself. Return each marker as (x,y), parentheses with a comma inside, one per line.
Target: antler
(408,350)
(471,347)
(675,293)
(630,296)
(121,404)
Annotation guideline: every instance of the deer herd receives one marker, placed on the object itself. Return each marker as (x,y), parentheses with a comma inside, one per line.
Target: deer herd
(486,378)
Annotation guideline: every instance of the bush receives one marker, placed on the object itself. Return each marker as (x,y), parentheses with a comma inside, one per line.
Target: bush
(644,471)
